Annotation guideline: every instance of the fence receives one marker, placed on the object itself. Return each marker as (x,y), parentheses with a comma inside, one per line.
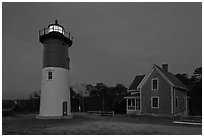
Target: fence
(48,30)
(102,113)
(197,119)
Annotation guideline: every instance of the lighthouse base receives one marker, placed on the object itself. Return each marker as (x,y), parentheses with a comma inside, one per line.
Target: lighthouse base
(54,117)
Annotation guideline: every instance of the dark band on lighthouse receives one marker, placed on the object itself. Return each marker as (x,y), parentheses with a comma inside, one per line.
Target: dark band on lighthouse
(55,46)
(55,54)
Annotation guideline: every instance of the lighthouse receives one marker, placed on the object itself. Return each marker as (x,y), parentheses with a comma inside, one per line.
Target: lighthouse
(55,83)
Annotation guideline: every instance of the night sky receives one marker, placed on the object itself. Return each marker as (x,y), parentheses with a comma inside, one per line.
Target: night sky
(113,42)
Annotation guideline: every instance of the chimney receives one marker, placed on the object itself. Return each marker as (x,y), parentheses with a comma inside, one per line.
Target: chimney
(165,67)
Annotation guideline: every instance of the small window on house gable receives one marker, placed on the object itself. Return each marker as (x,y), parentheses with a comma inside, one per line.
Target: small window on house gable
(155,84)
(155,102)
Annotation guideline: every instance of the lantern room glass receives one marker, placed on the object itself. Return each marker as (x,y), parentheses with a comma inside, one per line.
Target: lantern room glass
(56,28)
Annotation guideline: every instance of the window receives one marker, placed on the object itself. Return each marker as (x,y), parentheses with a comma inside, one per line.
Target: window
(49,75)
(176,103)
(155,102)
(56,28)
(155,84)
(131,104)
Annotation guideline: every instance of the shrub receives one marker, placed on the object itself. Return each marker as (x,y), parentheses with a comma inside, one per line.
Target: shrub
(8,112)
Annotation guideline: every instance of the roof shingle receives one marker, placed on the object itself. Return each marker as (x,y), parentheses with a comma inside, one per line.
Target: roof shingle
(136,82)
(172,78)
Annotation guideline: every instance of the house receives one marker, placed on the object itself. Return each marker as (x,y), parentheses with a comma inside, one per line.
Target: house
(158,92)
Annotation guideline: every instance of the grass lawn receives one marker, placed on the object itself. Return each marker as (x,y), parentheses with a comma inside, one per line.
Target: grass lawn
(92,124)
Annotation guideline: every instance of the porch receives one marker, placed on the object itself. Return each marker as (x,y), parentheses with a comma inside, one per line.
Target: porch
(133,104)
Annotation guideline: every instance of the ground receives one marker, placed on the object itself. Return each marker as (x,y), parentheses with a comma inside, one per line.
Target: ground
(93,124)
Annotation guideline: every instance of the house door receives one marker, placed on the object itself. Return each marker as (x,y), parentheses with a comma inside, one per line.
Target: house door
(64,108)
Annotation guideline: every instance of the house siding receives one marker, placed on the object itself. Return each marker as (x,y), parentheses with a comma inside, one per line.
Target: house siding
(163,92)
(180,94)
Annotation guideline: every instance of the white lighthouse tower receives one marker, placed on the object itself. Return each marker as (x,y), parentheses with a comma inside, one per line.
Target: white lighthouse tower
(55,87)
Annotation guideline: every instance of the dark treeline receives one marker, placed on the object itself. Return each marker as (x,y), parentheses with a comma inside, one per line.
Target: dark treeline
(101,98)
(105,98)
(194,84)
(32,104)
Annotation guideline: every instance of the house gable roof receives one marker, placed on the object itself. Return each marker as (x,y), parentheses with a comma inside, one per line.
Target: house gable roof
(172,78)
(168,76)
(136,82)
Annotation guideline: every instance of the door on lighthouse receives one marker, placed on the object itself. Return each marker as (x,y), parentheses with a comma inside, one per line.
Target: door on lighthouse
(64,108)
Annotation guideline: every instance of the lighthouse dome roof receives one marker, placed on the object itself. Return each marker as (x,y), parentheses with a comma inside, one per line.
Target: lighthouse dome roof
(56,24)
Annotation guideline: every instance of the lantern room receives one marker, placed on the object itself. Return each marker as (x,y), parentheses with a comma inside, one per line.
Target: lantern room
(55,31)
(56,28)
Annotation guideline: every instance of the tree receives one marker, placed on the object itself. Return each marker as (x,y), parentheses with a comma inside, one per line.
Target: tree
(75,100)
(34,98)
(89,88)
(198,73)
(120,90)
(102,92)
(35,94)
(194,84)
(118,101)
(184,78)
(80,89)
(94,92)
(195,92)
